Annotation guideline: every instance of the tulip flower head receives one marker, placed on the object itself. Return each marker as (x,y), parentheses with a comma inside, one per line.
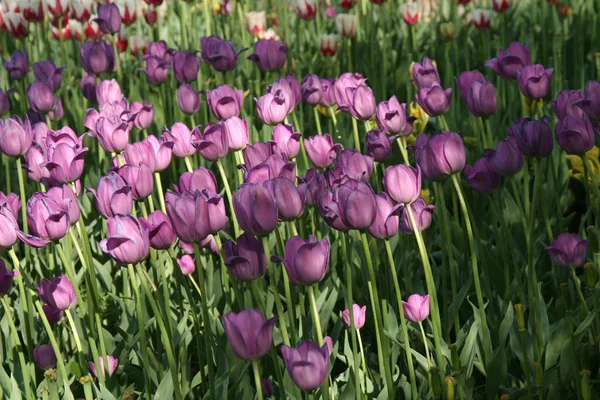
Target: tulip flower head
(360,314)
(416,308)
(510,61)
(6,278)
(590,104)
(269,54)
(410,13)
(250,335)
(393,117)
(440,155)
(534,81)
(112,366)
(57,292)
(307,364)
(219,53)
(245,259)
(568,250)
(127,242)
(44,357)
(422,214)
(482,19)
(482,176)
(187,264)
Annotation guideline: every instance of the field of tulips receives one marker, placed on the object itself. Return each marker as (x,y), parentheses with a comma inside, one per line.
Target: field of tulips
(303,199)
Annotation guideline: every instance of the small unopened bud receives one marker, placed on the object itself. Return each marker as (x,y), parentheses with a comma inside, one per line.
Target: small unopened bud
(449,387)
(591,275)
(539,374)
(520,317)
(594,239)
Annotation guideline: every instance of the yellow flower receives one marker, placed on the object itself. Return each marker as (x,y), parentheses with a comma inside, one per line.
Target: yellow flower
(325,110)
(421,116)
(577,170)
(426,195)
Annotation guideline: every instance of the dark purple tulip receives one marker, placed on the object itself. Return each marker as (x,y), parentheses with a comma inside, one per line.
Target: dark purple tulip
(306,261)
(567,102)
(255,209)
(312,181)
(321,150)
(440,155)
(157,70)
(288,198)
(274,166)
(425,74)
(351,205)
(465,80)
(307,364)
(139,178)
(482,176)
(41,97)
(379,145)
(108,92)
(568,250)
(273,108)
(57,292)
(88,87)
(160,230)
(267,387)
(16,136)
(127,242)
(269,54)
(591,103)
(258,152)
(113,196)
(387,221)
(64,195)
(236,130)
(507,159)
(534,81)
(327,92)
(296,88)
(6,278)
(354,164)
(224,101)
(422,214)
(64,155)
(5,101)
(181,137)
(481,99)
(510,62)
(402,183)
(213,144)
(434,100)
(288,141)
(44,357)
(347,80)
(188,99)
(52,314)
(161,51)
(46,71)
(575,135)
(18,65)
(199,180)
(311,89)
(393,118)
(249,334)
(109,18)
(245,259)
(195,215)
(142,114)
(219,53)
(97,57)
(362,104)
(186,66)
(533,137)
(162,149)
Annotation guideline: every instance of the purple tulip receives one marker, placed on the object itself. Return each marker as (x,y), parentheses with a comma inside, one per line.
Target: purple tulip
(440,155)
(360,314)
(296,89)
(288,141)
(63,194)
(113,196)
(127,241)
(160,232)
(139,180)
(274,166)
(112,127)
(422,214)
(567,103)
(52,314)
(224,101)
(591,103)
(327,92)
(354,164)
(44,357)
(533,137)
(57,292)
(186,264)
(213,144)
(575,135)
(306,261)
(379,145)
(311,89)
(157,70)
(18,65)
(267,387)
(108,92)
(47,218)
(341,92)
(425,74)
(88,87)
(195,215)
(16,136)
(568,250)
(289,89)
(188,99)
(258,152)
(9,209)
(199,180)
(269,55)
(255,208)
(11,202)
(393,118)
(313,182)
(185,66)
(351,205)
(402,183)
(321,150)
(362,105)
(46,71)
(245,259)
(416,308)
(97,57)
(236,130)
(140,153)
(307,364)
(41,97)
(162,149)
(386,222)
(481,99)
(161,51)
(181,137)
(510,62)
(434,100)
(250,335)
(507,159)
(6,278)
(109,18)
(64,155)
(288,198)
(465,80)
(219,53)
(142,114)
(273,108)
(482,176)
(112,366)
(534,81)
(5,101)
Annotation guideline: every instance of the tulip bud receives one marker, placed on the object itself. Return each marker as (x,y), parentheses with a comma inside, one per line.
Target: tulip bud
(47,218)
(289,199)
(186,66)
(6,278)
(109,18)
(88,87)
(567,103)
(112,366)
(249,334)
(575,135)
(113,196)
(351,205)
(568,250)
(533,137)
(416,308)
(440,155)
(402,183)
(509,62)
(386,222)
(236,130)
(127,241)
(213,144)
(18,65)
(346,25)
(16,24)
(256,22)
(219,53)
(590,104)
(255,208)
(447,30)
(482,176)
(288,141)
(181,137)
(139,179)
(482,19)
(44,357)
(187,265)
(57,292)
(200,180)
(273,108)
(142,114)
(188,99)
(328,44)
(481,99)
(16,136)
(410,13)
(359,314)
(225,102)
(425,73)
(162,149)
(321,150)
(269,55)
(97,57)
(41,97)
(434,100)
(157,70)
(311,89)
(534,81)
(245,259)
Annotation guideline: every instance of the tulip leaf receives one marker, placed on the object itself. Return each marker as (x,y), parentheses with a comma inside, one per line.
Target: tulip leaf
(105,394)
(585,324)
(15,391)
(496,372)
(165,389)
(506,324)
(67,395)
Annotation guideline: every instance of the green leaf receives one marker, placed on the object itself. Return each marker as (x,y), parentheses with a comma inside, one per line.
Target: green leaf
(584,325)
(496,372)
(15,392)
(165,389)
(506,324)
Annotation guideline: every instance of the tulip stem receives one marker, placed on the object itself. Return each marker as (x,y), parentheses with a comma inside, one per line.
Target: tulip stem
(257,381)
(71,275)
(23,203)
(161,193)
(19,348)
(317,325)
(224,273)
(317,120)
(426,345)
(188,164)
(402,146)
(278,305)
(26,303)
(74,330)
(236,227)
(481,305)
(578,288)
(59,359)
(333,118)
(443,123)
(356,136)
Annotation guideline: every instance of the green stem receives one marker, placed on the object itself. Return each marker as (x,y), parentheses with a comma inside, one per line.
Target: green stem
(315,314)
(578,289)
(26,304)
(236,227)
(278,305)
(402,146)
(317,120)
(363,361)
(74,330)
(257,381)
(426,345)
(443,123)
(59,359)
(161,193)
(356,135)
(224,273)
(23,204)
